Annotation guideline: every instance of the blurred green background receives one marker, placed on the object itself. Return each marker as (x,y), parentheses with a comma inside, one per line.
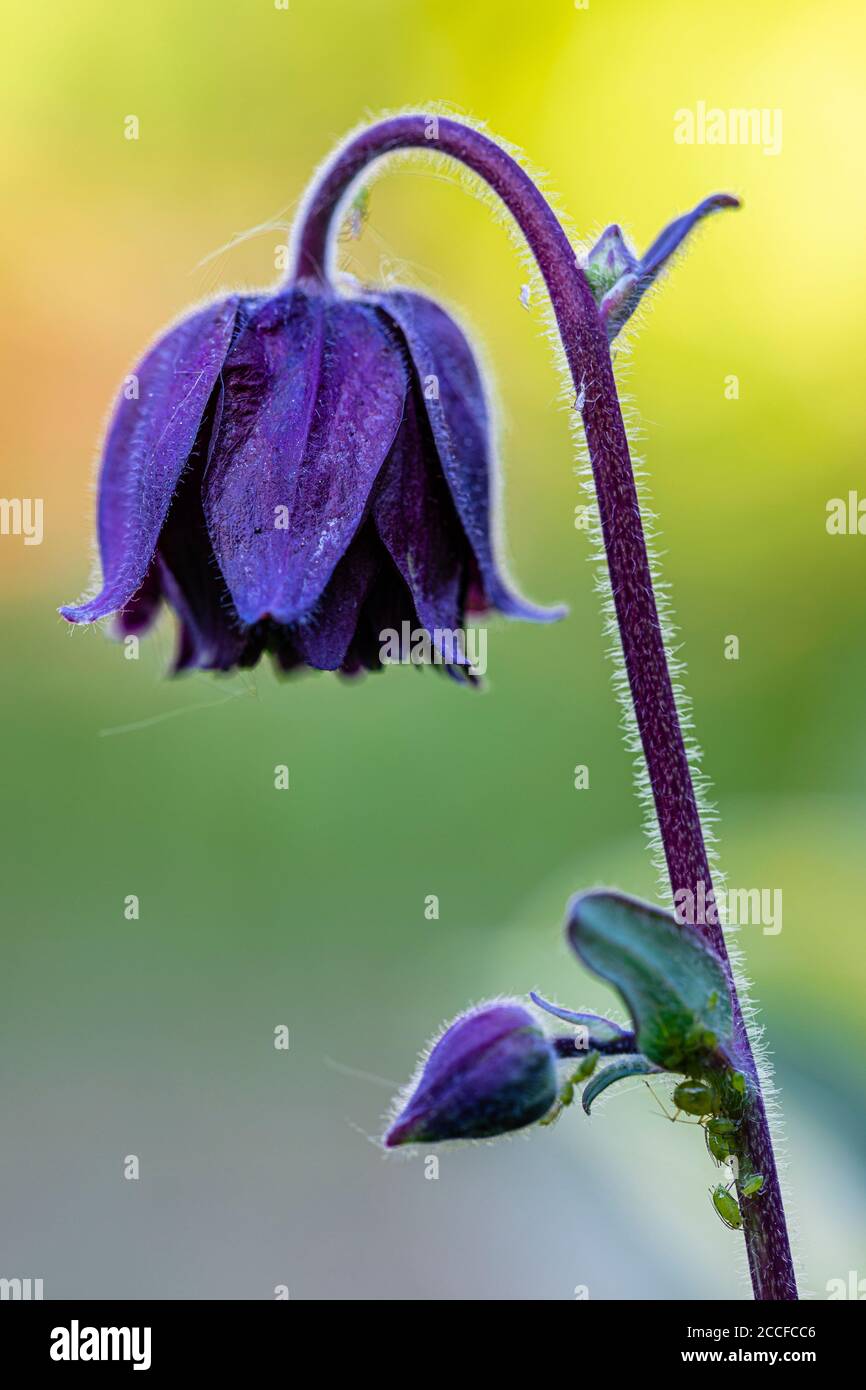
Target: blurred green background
(306,908)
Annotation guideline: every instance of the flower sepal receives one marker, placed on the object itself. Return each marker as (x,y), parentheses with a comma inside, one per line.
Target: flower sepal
(619,279)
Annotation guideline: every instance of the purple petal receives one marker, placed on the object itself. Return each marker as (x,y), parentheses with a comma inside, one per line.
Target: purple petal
(314,391)
(148,444)
(453,394)
(324,641)
(286,656)
(141,611)
(415,517)
(210,634)
(388,605)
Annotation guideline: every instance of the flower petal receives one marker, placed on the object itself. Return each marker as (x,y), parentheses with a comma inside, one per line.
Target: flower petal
(453,394)
(211,638)
(324,641)
(314,392)
(141,611)
(416,520)
(147,447)
(287,658)
(386,608)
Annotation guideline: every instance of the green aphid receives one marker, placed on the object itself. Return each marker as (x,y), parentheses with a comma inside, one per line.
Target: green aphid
(566,1095)
(696,1097)
(719,1133)
(720,1124)
(586,1068)
(359,211)
(727,1207)
(719,1146)
(751,1185)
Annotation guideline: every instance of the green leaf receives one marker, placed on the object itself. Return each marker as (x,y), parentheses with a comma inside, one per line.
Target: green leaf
(673,986)
(617,1071)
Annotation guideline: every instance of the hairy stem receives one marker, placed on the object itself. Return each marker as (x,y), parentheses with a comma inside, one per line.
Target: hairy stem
(586,347)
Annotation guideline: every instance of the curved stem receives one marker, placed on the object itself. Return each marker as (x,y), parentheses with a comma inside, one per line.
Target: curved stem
(584,340)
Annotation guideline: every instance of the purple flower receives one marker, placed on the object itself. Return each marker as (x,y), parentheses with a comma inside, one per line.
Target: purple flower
(493,1070)
(297,473)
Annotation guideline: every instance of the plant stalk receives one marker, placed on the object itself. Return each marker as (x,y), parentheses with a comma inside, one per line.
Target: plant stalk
(586,347)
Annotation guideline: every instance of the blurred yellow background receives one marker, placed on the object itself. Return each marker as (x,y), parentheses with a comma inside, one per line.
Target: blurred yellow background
(154,1037)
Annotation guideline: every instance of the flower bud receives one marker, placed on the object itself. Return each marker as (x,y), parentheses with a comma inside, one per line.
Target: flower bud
(619,279)
(492,1070)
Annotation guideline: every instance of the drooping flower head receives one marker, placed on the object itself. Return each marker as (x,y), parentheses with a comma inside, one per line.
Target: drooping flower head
(297,473)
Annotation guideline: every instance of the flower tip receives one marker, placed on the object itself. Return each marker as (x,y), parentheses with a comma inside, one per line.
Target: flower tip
(400,1132)
(71,614)
(718,201)
(554,614)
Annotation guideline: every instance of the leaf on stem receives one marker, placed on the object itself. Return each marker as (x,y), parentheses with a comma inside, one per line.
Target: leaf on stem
(672,984)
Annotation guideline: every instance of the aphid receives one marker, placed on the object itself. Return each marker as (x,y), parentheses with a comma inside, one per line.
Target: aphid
(701,1098)
(566,1095)
(719,1133)
(751,1185)
(720,1124)
(675,1118)
(718,1147)
(727,1207)
(358,213)
(696,1097)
